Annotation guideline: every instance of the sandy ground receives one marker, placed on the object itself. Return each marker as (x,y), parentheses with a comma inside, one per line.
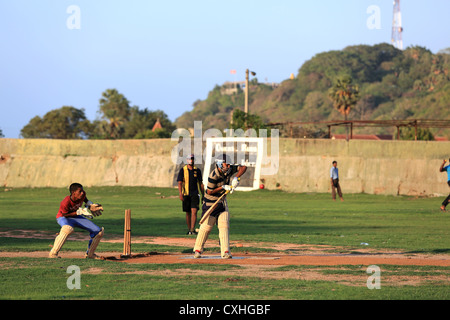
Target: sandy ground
(262,265)
(290,254)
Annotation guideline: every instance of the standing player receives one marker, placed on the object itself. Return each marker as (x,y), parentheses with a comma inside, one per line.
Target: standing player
(334,176)
(71,215)
(445,169)
(218,183)
(190,186)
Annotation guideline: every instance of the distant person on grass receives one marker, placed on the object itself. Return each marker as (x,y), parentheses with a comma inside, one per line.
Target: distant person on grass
(334,177)
(444,168)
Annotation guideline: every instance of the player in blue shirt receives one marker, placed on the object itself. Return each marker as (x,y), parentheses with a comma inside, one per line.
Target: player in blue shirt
(334,177)
(444,168)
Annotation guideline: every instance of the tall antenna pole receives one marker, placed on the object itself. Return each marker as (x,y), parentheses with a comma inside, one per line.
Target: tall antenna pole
(397,28)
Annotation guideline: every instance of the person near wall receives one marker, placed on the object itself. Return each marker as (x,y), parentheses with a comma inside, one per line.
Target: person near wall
(334,177)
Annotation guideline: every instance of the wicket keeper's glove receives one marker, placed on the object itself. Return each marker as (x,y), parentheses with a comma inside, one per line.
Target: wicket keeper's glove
(84,212)
(96,209)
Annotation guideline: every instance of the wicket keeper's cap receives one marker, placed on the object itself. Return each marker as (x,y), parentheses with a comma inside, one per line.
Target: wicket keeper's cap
(191,156)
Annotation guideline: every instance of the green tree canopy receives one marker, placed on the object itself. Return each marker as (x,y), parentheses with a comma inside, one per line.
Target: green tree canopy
(115,109)
(393,84)
(141,123)
(119,120)
(244,121)
(344,94)
(410,134)
(64,123)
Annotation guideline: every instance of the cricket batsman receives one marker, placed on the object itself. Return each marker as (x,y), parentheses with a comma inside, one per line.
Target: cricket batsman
(72,215)
(220,183)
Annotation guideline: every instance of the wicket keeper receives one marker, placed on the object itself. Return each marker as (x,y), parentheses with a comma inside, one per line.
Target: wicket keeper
(220,180)
(71,215)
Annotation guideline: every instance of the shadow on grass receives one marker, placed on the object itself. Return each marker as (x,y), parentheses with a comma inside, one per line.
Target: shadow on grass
(433,251)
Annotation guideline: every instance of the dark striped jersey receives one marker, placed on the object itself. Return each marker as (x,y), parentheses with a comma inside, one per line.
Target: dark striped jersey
(217,179)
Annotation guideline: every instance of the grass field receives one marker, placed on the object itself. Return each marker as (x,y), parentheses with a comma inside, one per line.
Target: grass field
(406,225)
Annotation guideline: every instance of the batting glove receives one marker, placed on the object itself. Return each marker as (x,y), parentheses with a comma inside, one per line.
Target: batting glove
(227,187)
(235,182)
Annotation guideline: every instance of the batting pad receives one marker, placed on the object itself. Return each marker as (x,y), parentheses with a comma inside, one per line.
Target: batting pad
(65,231)
(94,244)
(203,233)
(223,223)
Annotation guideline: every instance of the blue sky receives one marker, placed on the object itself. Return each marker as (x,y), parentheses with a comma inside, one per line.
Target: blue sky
(167,54)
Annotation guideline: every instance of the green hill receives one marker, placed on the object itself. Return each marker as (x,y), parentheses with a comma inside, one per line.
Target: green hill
(393,84)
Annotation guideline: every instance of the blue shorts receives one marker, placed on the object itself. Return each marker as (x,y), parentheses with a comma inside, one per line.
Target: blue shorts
(80,222)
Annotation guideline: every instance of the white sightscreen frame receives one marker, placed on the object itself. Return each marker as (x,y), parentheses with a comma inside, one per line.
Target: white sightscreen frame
(259,155)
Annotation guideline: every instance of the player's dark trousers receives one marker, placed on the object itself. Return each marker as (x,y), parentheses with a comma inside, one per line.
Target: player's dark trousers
(190,202)
(335,186)
(446,201)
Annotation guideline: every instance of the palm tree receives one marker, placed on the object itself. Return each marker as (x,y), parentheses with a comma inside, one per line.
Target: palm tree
(115,108)
(115,125)
(344,95)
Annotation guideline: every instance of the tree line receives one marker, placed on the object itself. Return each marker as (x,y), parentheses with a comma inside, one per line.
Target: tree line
(361,82)
(117,120)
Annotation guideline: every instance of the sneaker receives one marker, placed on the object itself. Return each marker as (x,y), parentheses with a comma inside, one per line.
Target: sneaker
(227,255)
(53,256)
(443,208)
(197,254)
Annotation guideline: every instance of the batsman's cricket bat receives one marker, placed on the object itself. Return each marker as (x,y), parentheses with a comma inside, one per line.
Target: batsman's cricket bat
(207,213)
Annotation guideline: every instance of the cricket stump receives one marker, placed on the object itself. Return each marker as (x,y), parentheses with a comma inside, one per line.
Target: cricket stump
(127,234)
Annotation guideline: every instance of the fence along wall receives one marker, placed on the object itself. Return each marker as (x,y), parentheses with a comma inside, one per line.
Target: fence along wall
(375,167)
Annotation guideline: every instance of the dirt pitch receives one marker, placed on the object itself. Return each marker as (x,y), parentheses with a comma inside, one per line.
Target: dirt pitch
(320,258)
(288,254)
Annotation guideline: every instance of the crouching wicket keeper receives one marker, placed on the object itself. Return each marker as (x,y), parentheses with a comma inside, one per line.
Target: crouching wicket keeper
(218,183)
(71,215)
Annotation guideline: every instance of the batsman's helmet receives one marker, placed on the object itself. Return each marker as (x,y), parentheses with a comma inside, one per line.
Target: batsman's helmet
(220,160)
